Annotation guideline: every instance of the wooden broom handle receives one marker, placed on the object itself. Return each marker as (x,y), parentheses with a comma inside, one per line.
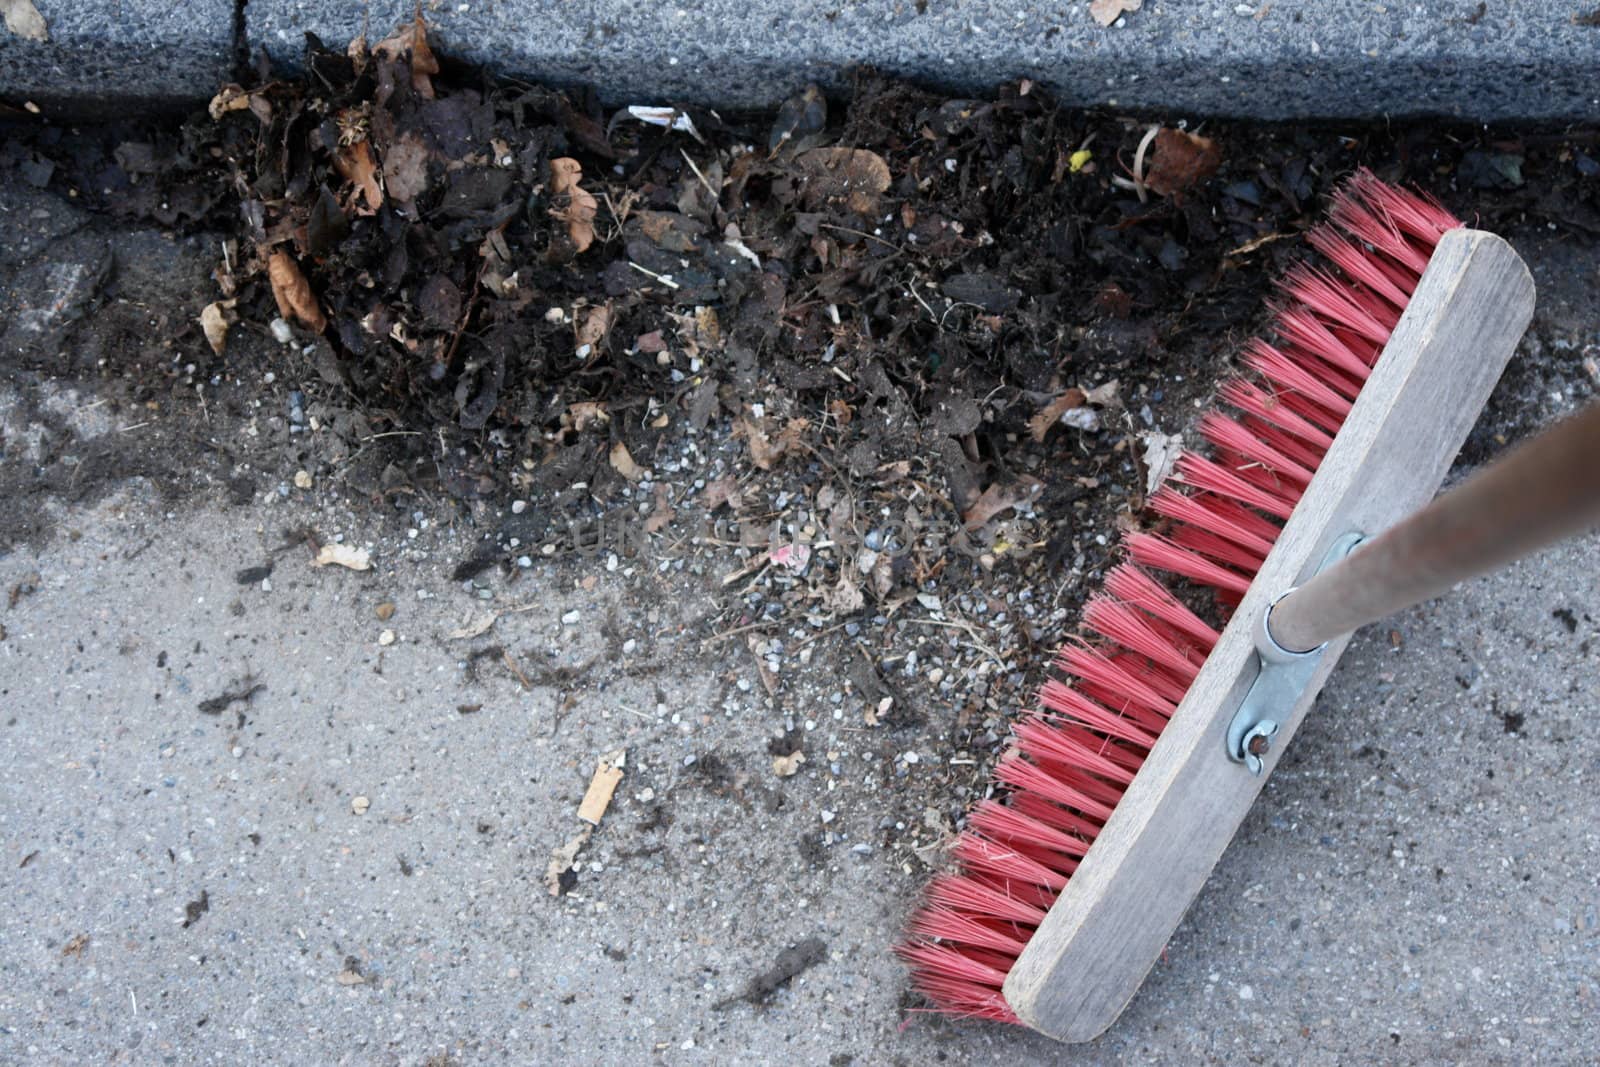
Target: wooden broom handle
(1547,489)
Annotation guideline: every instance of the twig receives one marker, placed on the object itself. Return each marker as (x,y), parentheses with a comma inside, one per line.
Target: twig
(970,631)
(714,638)
(511,665)
(861,233)
(662,278)
(715,196)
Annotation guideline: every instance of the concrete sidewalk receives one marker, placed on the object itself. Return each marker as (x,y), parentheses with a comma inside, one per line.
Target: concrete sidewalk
(1273,59)
(345,866)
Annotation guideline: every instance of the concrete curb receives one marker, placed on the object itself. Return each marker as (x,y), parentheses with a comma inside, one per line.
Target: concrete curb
(1278,59)
(107,57)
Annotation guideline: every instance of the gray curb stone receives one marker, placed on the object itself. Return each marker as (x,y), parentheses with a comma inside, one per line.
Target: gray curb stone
(1301,58)
(105,57)
(1269,59)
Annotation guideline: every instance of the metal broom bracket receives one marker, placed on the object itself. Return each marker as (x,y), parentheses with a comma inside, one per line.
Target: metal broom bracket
(1284,675)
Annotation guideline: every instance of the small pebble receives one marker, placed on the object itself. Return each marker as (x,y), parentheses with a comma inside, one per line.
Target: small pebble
(282,332)
(518,507)
(302,479)
(360,805)
(628,646)
(384,611)
(571,618)
(386,638)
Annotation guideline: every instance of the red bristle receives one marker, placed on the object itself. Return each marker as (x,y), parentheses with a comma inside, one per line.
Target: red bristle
(1073,792)
(963,894)
(1005,864)
(1072,760)
(1286,491)
(1304,331)
(1003,823)
(1131,585)
(1378,229)
(1292,378)
(1226,433)
(1043,743)
(1025,892)
(1133,630)
(1269,407)
(1338,303)
(1156,551)
(1041,810)
(1100,670)
(954,963)
(1225,518)
(1211,477)
(1217,548)
(1419,215)
(1362,267)
(1285,442)
(1169,688)
(945,925)
(1137,725)
(1097,795)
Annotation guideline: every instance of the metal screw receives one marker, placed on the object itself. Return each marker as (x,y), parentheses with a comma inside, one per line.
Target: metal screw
(1257,743)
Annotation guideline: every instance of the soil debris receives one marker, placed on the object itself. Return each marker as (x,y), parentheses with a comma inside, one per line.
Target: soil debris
(241,692)
(792,961)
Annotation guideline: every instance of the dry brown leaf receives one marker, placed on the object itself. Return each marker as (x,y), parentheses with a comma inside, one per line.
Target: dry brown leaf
(475,629)
(1040,425)
(788,766)
(585,413)
(24,20)
(229,98)
(293,293)
(1106,12)
(762,451)
(845,598)
(405,168)
(883,575)
(579,212)
(356,559)
(350,977)
(708,330)
(412,40)
(765,450)
(998,498)
(423,63)
(356,165)
(1161,451)
(1106,394)
(593,327)
(855,175)
(662,513)
(724,490)
(1179,160)
(597,798)
(214,322)
(622,462)
(562,859)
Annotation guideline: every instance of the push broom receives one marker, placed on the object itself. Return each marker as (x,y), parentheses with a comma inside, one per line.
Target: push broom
(1119,795)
